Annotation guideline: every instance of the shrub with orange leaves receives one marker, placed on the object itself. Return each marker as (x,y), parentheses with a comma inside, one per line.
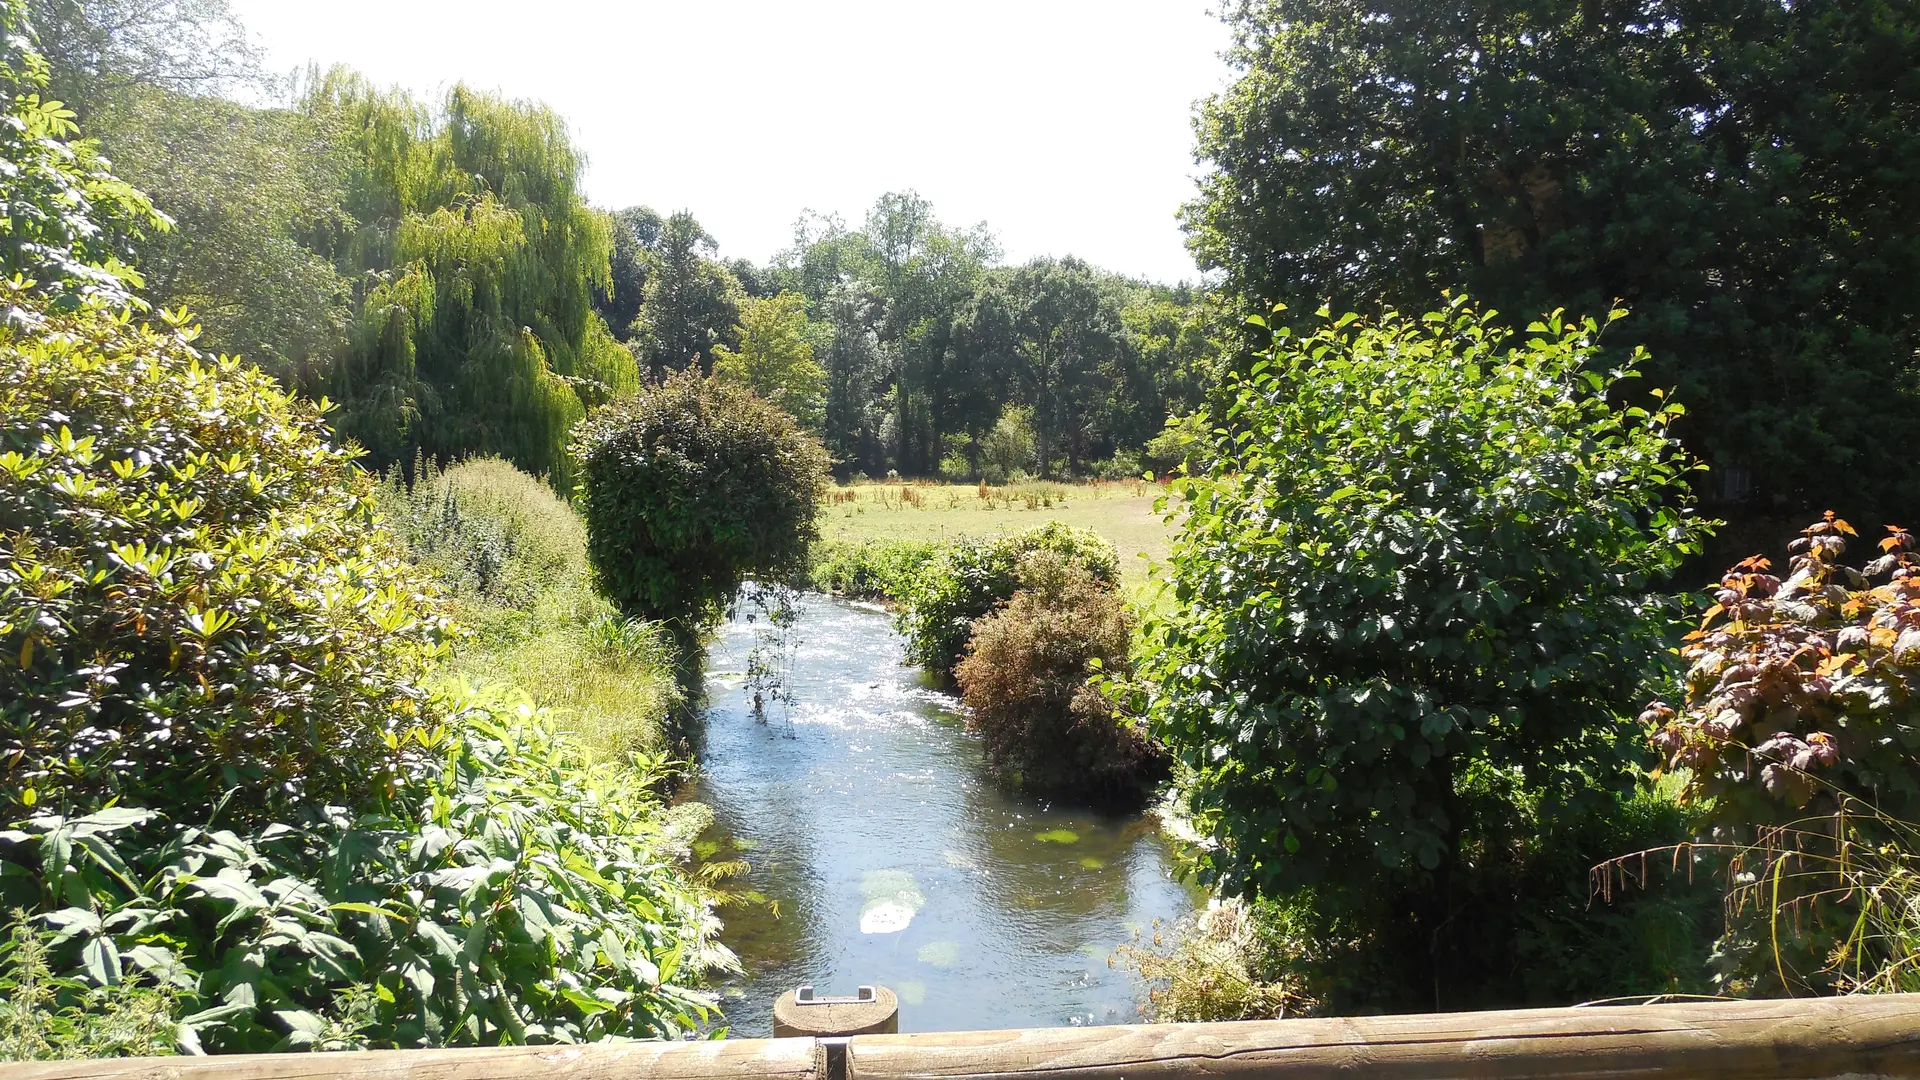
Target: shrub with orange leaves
(1804,692)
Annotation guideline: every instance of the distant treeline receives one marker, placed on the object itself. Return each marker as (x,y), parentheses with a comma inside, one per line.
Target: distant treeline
(433,268)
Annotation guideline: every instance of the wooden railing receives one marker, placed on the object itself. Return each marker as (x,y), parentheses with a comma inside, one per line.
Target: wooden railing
(1808,1039)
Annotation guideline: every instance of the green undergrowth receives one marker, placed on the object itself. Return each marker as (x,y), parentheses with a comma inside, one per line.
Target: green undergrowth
(513,555)
(880,570)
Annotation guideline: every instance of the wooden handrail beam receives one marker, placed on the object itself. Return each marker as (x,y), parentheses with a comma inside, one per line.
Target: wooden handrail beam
(722,1059)
(1807,1039)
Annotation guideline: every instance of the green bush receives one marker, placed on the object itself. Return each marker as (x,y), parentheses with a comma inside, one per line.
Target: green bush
(61,211)
(44,1016)
(1416,589)
(870,569)
(1181,444)
(1024,681)
(195,606)
(1534,926)
(517,892)
(488,531)
(690,487)
(1221,963)
(972,577)
(1796,734)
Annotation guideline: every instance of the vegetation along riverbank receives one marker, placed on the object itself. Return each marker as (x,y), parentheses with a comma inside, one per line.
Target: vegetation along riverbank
(1495,557)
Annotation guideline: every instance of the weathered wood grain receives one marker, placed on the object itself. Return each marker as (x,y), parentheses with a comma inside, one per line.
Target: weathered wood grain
(1805,1039)
(730,1059)
(1818,1039)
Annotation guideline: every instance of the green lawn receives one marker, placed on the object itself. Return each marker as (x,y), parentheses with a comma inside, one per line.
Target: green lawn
(1120,511)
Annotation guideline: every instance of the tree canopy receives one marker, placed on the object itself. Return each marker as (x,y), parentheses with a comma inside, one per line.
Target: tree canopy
(1738,172)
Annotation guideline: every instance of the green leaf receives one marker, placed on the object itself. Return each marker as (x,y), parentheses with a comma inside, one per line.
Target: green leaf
(101,959)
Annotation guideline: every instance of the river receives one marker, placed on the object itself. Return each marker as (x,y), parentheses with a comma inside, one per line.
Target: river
(892,859)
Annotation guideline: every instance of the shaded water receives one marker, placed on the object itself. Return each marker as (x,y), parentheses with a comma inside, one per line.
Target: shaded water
(893,860)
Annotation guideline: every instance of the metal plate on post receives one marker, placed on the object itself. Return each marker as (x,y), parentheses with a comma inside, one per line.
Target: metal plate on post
(874,1010)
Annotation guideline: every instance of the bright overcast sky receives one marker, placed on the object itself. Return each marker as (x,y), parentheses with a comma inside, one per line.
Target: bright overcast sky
(1063,124)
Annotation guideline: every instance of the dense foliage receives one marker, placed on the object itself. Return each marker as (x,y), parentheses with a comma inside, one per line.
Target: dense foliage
(971,577)
(514,892)
(46,1016)
(690,487)
(478,334)
(231,801)
(1530,928)
(1738,171)
(243,187)
(1024,680)
(1415,587)
(192,602)
(1796,736)
(775,357)
(869,569)
(61,210)
(1800,691)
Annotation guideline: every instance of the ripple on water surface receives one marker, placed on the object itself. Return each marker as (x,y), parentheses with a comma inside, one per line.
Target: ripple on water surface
(892,860)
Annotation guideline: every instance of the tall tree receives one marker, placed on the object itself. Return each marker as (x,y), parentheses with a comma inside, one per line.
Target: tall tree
(478,332)
(636,235)
(251,192)
(857,370)
(97,49)
(775,356)
(692,301)
(1739,172)
(1066,338)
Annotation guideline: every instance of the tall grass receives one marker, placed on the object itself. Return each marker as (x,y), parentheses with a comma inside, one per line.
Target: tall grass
(514,557)
(1826,904)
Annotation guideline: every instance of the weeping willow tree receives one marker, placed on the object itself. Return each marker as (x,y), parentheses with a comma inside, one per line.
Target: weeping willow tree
(476,265)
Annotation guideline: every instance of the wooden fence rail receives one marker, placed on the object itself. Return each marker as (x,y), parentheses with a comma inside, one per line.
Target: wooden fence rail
(1809,1039)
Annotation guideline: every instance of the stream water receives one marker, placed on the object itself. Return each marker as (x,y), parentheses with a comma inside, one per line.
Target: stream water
(892,859)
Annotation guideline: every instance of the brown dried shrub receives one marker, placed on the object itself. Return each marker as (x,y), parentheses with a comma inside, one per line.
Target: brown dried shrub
(1025,682)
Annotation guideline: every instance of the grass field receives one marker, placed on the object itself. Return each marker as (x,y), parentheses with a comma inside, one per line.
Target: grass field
(1121,511)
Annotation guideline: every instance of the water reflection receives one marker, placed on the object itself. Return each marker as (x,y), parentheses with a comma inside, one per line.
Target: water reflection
(893,860)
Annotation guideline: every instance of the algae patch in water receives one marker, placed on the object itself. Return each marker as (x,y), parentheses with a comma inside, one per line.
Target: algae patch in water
(1093,862)
(1058,836)
(892,899)
(939,953)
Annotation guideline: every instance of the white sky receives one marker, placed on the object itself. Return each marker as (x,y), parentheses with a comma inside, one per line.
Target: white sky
(1064,124)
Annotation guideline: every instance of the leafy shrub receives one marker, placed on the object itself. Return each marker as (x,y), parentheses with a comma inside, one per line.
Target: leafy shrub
(518,893)
(1797,736)
(44,1016)
(487,530)
(690,487)
(193,600)
(1007,451)
(1801,692)
(972,577)
(1532,927)
(870,569)
(1180,444)
(1415,589)
(1218,964)
(63,210)
(1024,681)
(1123,465)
